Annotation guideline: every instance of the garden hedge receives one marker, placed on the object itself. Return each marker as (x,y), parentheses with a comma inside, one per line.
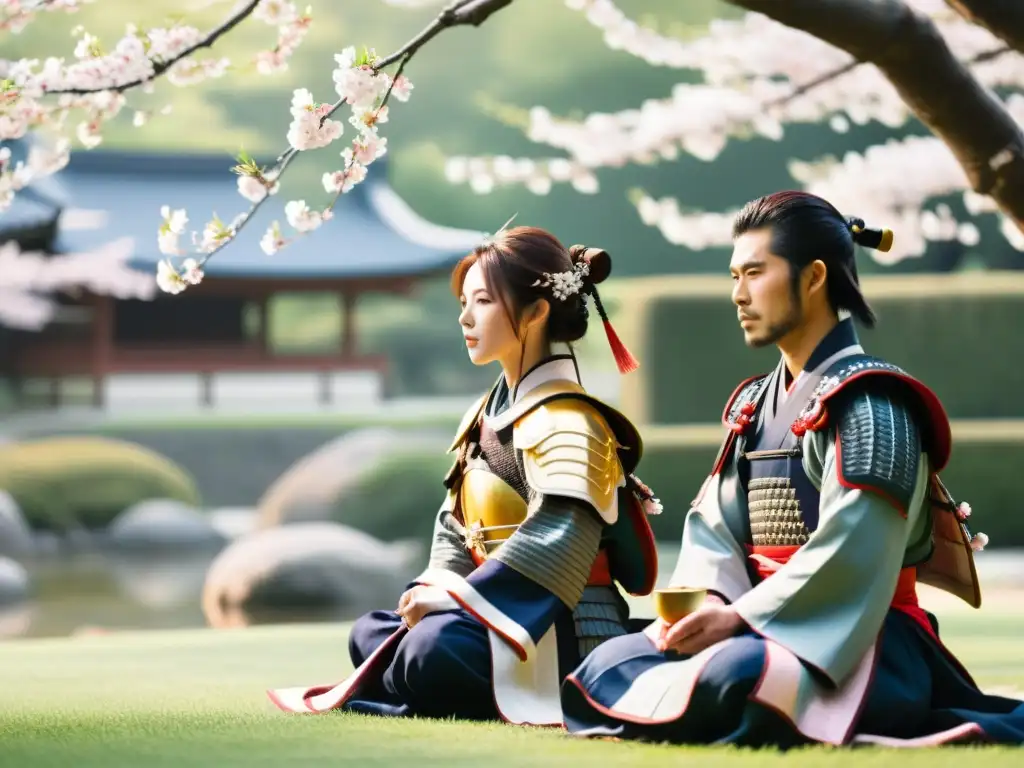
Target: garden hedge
(64,482)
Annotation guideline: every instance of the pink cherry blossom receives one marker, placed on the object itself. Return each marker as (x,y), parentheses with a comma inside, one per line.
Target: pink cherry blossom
(191,272)
(402,88)
(751,67)
(168,279)
(369,147)
(339,182)
(28,278)
(251,188)
(358,84)
(301,217)
(272,240)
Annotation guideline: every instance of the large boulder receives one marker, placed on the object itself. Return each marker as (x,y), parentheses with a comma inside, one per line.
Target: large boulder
(313,486)
(233,522)
(14,582)
(15,535)
(64,483)
(164,524)
(161,582)
(306,570)
(398,498)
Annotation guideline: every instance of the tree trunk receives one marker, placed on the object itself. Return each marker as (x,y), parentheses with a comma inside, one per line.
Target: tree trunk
(908,49)
(1003,18)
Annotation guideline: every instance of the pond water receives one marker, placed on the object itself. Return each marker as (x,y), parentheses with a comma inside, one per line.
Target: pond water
(97,592)
(86,592)
(91,593)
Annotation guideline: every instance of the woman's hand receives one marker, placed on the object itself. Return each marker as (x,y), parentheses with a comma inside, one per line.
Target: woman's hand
(418,601)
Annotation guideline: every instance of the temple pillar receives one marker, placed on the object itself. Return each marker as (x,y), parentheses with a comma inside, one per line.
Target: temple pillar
(349,343)
(102,345)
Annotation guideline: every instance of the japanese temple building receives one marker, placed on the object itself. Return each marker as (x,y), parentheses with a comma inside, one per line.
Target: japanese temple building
(208,346)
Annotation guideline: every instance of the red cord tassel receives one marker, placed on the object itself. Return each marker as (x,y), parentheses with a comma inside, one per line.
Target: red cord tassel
(623,358)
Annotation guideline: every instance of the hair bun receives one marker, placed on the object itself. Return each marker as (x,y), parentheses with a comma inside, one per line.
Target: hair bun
(598,260)
(879,239)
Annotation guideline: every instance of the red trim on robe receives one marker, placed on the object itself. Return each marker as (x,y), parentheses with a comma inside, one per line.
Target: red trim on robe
(904,597)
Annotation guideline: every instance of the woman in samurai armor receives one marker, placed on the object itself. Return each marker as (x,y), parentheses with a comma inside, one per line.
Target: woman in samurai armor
(542,521)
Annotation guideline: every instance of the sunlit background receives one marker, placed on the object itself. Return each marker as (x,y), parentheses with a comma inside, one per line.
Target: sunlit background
(269,446)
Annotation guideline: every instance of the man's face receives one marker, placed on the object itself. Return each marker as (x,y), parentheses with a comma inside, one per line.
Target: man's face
(762,290)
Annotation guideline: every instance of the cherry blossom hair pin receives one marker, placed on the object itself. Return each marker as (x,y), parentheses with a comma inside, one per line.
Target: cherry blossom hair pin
(564,284)
(574,282)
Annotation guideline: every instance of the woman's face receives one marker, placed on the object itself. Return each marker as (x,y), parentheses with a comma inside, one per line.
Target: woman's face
(485,324)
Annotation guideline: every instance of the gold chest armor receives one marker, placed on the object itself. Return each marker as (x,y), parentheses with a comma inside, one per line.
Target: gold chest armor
(492,510)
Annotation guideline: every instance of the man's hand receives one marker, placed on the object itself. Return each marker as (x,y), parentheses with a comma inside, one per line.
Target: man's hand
(418,601)
(711,624)
(656,630)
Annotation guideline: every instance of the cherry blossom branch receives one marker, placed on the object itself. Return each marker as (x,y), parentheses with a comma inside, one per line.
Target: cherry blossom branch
(15,15)
(358,81)
(760,75)
(700,118)
(458,14)
(1003,18)
(810,85)
(623,33)
(908,49)
(160,68)
(838,72)
(95,83)
(282,163)
(871,185)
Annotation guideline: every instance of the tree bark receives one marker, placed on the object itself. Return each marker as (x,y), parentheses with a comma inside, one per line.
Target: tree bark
(1003,18)
(908,49)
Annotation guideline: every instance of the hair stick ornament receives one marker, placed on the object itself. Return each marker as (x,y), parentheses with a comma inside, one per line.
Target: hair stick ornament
(624,359)
(879,239)
(489,239)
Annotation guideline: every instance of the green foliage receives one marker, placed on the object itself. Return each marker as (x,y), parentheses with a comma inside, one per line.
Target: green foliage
(966,348)
(246,165)
(63,482)
(399,499)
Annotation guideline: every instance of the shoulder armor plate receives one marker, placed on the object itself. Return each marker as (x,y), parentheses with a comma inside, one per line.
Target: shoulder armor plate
(878,445)
(570,450)
(746,393)
(468,421)
(932,423)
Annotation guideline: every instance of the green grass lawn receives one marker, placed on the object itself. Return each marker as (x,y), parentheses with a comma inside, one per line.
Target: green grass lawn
(196,698)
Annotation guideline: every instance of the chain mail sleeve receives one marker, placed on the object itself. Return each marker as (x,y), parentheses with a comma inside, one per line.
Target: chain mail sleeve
(447,548)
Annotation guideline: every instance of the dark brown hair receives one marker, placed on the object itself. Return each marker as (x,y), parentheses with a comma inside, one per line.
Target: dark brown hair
(516,261)
(517,264)
(805,228)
